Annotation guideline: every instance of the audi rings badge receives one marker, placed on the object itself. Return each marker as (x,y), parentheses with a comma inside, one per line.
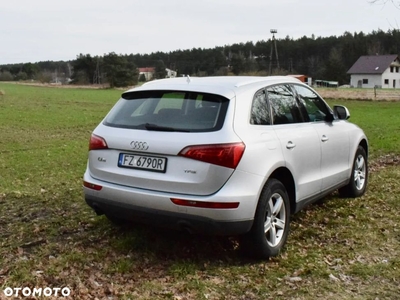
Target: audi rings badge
(136,145)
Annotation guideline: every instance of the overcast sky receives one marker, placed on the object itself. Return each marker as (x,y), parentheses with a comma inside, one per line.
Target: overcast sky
(39,30)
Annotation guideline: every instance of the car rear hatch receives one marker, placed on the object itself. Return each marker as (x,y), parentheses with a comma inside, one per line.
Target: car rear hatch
(167,141)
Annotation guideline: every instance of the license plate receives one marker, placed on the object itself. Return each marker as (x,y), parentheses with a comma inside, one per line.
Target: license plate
(142,162)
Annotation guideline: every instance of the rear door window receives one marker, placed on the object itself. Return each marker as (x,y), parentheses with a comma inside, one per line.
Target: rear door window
(169,111)
(283,105)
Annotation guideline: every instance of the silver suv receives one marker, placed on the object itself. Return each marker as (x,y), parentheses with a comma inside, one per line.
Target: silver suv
(223,155)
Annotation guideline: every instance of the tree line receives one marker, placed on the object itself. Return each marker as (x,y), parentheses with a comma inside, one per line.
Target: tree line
(326,58)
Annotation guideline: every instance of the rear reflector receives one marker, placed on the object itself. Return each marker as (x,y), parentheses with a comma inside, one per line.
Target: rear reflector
(92,186)
(202,204)
(97,143)
(225,155)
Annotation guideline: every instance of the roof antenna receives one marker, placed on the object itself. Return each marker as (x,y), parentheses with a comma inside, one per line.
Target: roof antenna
(188,79)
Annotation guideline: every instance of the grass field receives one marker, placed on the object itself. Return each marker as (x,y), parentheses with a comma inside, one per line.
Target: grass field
(338,249)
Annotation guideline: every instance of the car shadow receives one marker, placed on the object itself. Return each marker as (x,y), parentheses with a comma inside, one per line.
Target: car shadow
(157,245)
(173,245)
(170,244)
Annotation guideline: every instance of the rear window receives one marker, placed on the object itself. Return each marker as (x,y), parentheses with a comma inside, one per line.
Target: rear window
(169,111)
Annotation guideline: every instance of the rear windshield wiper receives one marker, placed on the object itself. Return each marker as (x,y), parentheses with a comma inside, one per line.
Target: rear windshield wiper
(156,127)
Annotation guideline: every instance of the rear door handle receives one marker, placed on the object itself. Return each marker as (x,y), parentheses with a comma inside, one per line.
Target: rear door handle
(290,145)
(324,138)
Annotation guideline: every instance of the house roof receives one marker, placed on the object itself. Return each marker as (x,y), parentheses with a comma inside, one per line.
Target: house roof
(372,64)
(298,76)
(148,69)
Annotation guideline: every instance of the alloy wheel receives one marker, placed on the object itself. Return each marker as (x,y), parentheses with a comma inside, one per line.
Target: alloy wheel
(359,172)
(274,225)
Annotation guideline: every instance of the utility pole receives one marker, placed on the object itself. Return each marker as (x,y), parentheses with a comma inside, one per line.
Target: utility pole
(96,75)
(273,44)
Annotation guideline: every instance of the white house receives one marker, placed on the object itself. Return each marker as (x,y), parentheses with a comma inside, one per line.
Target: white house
(148,72)
(382,71)
(171,73)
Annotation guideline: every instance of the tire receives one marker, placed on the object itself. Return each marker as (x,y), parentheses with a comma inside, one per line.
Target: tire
(271,225)
(359,176)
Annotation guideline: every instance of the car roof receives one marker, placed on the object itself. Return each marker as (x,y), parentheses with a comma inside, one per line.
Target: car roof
(226,86)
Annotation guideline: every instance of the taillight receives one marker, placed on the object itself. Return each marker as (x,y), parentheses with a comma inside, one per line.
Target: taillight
(226,155)
(97,143)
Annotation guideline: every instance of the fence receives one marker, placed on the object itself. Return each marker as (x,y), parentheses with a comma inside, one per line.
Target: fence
(360,94)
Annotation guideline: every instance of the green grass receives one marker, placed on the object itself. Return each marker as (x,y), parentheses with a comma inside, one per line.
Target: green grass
(337,249)
(379,120)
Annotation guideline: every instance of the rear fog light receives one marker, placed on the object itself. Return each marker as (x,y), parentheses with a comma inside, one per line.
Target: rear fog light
(92,186)
(203,204)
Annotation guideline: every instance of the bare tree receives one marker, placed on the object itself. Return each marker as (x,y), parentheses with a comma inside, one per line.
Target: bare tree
(396,3)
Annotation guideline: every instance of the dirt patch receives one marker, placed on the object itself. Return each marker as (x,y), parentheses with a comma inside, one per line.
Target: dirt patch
(66,86)
(327,93)
(384,161)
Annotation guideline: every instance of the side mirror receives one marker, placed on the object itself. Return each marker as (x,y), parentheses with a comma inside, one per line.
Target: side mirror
(341,112)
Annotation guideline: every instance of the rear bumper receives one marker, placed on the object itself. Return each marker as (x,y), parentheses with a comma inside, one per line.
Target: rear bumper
(166,219)
(153,207)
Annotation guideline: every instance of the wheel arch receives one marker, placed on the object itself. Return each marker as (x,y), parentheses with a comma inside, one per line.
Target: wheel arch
(285,176)
(363,143)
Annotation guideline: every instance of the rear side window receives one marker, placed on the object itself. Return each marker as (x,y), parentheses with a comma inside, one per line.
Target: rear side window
(169,111)
(260,114)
